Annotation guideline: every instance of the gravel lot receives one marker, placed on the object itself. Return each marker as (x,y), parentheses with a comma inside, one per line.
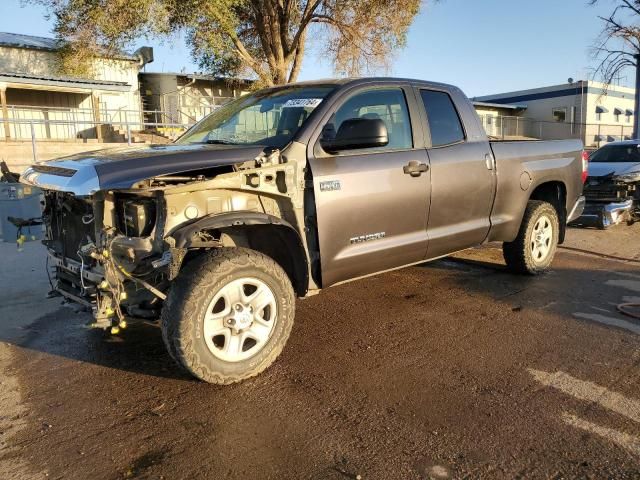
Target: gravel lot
(454,369)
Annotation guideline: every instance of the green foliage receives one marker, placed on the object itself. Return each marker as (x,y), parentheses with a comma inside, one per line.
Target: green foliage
(264,39)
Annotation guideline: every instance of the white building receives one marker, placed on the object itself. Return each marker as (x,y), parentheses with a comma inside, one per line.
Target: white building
(181,98)
(33,94)
(587,110)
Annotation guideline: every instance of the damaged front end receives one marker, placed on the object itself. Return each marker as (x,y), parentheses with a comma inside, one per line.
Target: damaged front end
(108,253)
(610,200)
(121,222)
(117,249)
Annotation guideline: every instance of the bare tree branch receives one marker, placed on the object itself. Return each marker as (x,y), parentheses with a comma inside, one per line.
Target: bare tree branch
(618,44)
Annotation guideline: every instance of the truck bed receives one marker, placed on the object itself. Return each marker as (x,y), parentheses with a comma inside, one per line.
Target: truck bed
(521,166)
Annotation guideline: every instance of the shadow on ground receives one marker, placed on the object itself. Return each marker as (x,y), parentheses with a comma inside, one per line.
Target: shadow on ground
(563,291)
(65,333)
(396,376)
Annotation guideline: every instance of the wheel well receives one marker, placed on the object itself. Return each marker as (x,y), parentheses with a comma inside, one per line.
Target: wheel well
(264,233)
(554,193)
(280,243)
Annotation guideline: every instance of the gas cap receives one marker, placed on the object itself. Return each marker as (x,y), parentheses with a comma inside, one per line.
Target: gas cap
(525,181)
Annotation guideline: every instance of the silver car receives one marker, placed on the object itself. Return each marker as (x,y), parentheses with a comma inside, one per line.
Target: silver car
(612,187)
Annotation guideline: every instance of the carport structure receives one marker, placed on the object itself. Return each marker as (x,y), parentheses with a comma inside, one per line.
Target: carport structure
(39,101)
(54,107)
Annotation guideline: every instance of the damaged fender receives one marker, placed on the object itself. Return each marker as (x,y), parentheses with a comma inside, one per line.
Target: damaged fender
(186,237)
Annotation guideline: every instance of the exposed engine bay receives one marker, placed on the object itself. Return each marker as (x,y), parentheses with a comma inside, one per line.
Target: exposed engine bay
(113,268)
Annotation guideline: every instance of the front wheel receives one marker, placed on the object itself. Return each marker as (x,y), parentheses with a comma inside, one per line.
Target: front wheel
(535,246)
(228,315)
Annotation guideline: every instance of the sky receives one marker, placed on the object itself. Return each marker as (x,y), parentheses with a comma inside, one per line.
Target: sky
(482,46)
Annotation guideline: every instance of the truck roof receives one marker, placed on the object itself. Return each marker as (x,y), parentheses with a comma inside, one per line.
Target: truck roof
(366,80)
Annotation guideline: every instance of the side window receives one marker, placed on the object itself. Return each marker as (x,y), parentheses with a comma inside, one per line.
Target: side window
(559,114)
(389,105)
(444,121)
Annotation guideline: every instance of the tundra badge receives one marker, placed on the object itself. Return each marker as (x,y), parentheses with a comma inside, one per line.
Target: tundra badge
(368,237)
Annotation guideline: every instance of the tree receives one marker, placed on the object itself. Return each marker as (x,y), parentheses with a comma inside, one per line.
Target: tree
(264,38)
(618,47)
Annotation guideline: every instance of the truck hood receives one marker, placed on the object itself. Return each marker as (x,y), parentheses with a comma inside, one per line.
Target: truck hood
(120,168)
(600,169)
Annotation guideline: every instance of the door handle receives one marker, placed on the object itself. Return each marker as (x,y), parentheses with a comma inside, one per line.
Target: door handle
(415,169)
(488,161)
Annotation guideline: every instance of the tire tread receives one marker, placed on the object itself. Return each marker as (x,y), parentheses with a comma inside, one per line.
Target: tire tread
(516,253)
(185,295)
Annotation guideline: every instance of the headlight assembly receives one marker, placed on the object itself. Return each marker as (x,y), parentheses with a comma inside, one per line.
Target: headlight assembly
(136,216)
(628,177)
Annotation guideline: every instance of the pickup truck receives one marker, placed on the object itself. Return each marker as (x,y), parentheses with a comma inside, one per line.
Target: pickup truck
(286,191)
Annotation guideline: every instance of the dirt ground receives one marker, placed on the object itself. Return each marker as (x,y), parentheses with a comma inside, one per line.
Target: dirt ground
(453,369)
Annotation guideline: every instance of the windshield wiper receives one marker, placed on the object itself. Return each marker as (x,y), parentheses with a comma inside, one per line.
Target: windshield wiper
(219,142)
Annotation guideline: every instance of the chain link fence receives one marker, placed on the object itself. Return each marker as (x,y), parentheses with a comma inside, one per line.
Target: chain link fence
(50,124)
(518,128)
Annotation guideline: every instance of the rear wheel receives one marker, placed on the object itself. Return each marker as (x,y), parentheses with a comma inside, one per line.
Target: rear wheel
(535,246)
(228,315)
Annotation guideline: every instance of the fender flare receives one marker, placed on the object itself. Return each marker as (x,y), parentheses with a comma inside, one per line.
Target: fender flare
(299,270)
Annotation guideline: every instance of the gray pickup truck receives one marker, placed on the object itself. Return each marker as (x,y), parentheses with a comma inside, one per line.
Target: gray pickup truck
(286,191)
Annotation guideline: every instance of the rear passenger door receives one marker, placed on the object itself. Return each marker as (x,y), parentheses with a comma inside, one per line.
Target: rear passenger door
(462,174)
(372,204)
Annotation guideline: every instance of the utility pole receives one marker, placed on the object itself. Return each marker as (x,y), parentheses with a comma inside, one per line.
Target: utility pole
(636,112)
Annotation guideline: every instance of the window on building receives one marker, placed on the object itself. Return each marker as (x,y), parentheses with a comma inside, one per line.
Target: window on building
(444,121)
(560,114)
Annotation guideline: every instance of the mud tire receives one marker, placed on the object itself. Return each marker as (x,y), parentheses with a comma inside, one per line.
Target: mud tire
(518,254)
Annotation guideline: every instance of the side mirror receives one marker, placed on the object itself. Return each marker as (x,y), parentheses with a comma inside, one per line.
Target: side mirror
(267,106)
(357,133)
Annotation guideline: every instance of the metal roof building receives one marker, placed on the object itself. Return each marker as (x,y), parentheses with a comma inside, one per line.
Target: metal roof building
(33,91)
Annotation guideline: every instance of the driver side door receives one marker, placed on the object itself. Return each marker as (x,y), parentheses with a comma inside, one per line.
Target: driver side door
(372,204)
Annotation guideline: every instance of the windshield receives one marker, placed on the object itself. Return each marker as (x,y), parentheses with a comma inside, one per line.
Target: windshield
(617,154)
(268,117)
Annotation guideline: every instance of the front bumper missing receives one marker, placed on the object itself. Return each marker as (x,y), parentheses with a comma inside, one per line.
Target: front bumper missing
(75,268)
(603,215)
(113,294)
(74,281)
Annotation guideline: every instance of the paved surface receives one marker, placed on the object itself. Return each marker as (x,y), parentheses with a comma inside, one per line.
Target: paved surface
(455,369)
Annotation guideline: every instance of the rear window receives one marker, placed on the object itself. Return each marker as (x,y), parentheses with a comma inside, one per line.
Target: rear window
(444,121)
(617,154)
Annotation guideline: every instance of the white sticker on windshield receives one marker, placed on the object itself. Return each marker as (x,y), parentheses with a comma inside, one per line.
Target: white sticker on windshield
(302,102)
